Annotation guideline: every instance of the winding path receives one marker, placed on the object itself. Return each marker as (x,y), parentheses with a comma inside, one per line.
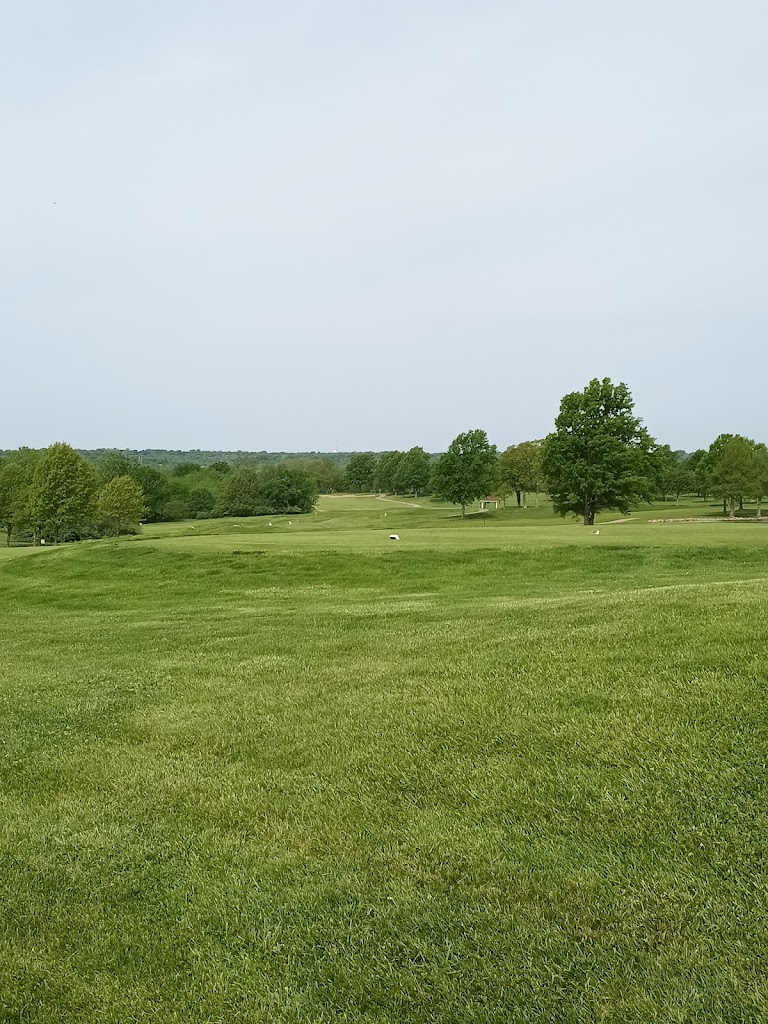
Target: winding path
(394,501)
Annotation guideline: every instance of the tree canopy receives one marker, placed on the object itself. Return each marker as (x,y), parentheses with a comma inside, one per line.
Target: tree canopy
(467,471)
(63,491)
(121,503)
(412,472)
(17,471)
(273,490)
(599,456)
(520,469)
(361,472)
(733,468)
(387,469)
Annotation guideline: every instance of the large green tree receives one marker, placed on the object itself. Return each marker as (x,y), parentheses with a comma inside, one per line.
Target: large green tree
(386,470)
(17,471)
(599,456)
(680,479)
(121,503)
(361,472)
(63,492)
(283,489)
(154,486)
(413,472)
(243,494)
(328,475)
(273,490)
(664,464)
(467,471)
(732,467)
(696,464)
(520,469)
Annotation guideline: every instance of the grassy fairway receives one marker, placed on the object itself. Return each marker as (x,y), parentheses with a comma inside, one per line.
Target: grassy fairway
(499,773)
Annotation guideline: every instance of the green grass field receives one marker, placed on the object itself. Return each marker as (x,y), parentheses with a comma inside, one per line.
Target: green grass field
(500,771)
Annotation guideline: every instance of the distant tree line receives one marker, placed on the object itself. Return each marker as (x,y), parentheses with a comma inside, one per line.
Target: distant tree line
(57,494)
(599,457)
(166,458)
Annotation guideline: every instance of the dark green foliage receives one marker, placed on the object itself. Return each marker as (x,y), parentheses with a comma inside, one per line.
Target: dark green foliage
(242,496)
(121,503)
(200,499)
(599,456)
(663,466)
(63,493)
(164,458)
(733,468)
(467,471)
(673,472)
(270,491)
(175,510)
(361,472)
(680,479)
(17,470)
(387,469)
(286,490)
(154,486)
(520,469)
(696,464)
(328,475)
(412,472)
(113,464)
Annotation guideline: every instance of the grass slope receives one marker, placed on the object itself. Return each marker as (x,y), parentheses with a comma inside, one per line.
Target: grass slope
(487,775)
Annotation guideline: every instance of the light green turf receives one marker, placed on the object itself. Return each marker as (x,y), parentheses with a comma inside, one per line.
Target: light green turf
(15,552)
(486,774)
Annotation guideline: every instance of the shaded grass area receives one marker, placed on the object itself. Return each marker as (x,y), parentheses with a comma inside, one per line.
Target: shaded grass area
(399,786)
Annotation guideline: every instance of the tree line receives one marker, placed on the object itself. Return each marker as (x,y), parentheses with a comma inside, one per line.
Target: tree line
(599,457)
(167,458)
(57,494)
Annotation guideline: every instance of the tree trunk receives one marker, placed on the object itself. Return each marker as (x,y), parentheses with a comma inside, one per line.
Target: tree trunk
(463,511)
(741,503)
(589,513)
(733,508)
(725,505)
(8,535)
(759,508)
(537,499)
(517,492)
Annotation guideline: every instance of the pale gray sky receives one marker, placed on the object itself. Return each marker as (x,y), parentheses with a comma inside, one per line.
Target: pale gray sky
(366,224)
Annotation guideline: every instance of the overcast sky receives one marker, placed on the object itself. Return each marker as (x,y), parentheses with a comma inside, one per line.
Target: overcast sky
(360,224)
